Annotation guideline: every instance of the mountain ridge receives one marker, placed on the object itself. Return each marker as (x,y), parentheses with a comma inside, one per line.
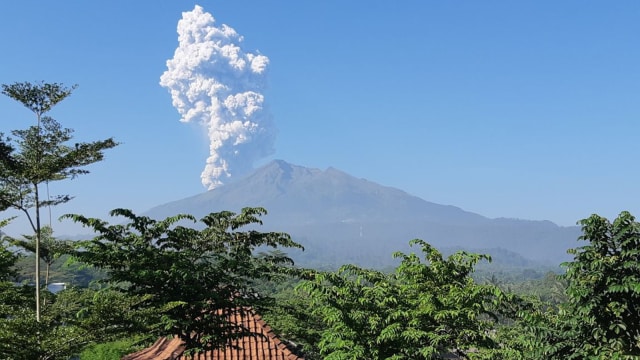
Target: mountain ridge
(345,218)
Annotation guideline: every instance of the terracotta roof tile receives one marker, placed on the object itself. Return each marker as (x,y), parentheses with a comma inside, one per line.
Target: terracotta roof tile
(265,345)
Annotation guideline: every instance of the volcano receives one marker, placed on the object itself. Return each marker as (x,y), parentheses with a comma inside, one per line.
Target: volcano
(342,219)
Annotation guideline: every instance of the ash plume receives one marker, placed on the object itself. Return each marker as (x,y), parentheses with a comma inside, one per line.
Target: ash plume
(213,81)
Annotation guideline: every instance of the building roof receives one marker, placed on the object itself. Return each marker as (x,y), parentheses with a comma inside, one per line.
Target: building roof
(264,345)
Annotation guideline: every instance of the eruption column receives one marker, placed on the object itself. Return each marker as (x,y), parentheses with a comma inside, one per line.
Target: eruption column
(214,82)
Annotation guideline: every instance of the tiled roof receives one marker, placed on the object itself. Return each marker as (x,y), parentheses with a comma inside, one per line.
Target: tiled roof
(265,345)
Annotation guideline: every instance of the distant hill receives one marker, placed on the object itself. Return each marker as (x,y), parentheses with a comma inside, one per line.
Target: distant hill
(342,219)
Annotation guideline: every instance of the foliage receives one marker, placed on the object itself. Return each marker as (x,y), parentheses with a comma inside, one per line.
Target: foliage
(39,98)
(602,316)
(64,269)
(72,320)
(189,278)
(550,289)
(50,248)
(39,155)
(42,155)
(421,311)
(7,258)
(113,350)
(7,261)
(290,317)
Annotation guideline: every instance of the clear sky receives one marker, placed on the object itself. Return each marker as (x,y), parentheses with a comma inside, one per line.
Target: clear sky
(523,109)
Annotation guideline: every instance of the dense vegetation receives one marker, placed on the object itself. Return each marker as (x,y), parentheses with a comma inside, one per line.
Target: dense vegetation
(143,278)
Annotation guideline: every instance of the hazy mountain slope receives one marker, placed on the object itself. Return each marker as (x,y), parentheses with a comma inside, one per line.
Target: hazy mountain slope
(301,195)
(340,219)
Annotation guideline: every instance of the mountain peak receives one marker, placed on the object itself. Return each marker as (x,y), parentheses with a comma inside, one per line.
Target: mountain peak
(279,173)
(276,164)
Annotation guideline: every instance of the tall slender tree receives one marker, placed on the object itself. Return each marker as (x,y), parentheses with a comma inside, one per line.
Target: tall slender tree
(39,155)
(50,248)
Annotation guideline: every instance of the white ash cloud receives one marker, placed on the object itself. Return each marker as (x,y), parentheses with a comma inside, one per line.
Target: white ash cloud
(213,81)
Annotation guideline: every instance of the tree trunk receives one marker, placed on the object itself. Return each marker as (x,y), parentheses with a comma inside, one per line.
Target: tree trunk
(37,200)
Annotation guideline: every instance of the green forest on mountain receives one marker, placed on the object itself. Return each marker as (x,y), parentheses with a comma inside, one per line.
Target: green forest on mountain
(141,278)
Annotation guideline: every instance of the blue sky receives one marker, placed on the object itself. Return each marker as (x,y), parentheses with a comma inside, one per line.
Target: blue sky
(507,109)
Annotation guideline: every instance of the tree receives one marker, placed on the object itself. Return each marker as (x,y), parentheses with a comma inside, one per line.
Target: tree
(7,258)
(421,311)
(190,279)
(39,155)
(74,319)
(602,316)
(114,350)
(290,318)
(50,248)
